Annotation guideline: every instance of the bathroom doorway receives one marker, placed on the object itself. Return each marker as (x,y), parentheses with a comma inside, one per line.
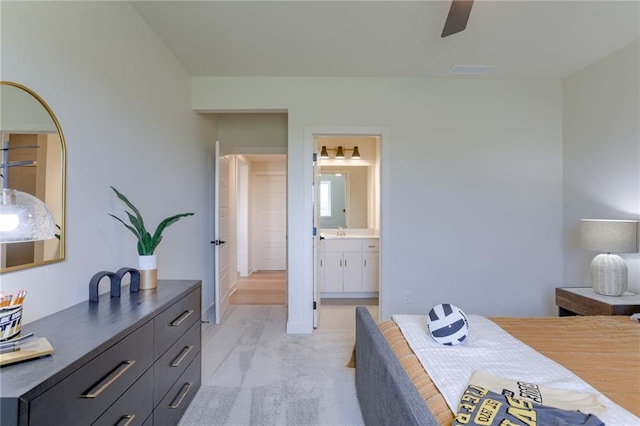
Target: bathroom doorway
(347,252)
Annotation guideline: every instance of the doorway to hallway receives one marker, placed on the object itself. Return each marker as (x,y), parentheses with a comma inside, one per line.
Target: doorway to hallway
(261,224)
(261,288)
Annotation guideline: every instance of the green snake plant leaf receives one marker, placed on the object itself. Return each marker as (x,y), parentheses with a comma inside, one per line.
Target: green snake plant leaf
(146,242)
(131,228)
(138,223)
(157,236)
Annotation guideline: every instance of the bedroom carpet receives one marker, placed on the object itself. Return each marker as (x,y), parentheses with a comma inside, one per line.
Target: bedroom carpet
(253,373)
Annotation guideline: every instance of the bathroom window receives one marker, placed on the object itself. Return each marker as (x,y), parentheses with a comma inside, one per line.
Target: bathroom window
(325,199)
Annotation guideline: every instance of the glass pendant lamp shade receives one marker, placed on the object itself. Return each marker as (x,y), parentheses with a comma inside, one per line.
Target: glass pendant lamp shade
(24,217)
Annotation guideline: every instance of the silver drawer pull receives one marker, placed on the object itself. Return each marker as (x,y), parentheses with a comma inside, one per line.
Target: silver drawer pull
(108,381)
(176,362)
(176,322)
(126,420)
(178,400)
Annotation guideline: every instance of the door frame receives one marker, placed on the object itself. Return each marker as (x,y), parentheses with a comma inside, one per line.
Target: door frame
(242,216)
(384,135)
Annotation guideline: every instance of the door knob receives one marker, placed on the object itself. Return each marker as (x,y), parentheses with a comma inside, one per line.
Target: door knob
(218,242)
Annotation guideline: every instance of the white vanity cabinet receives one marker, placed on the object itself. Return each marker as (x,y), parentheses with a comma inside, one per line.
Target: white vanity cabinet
(370,265)
(349,267)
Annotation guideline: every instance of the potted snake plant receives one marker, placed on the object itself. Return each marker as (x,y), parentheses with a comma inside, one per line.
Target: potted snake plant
(147,243)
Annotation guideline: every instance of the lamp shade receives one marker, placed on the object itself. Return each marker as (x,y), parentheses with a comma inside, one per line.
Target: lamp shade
(356,153)
(609,236)
(24,217)
(339,152)
(324,153)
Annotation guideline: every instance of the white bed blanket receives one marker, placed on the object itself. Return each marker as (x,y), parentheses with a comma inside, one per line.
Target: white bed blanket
(489,348)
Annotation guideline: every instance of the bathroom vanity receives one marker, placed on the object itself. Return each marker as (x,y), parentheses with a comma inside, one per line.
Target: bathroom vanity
(349,266)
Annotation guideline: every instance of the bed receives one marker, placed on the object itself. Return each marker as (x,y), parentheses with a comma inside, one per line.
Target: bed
(394,389)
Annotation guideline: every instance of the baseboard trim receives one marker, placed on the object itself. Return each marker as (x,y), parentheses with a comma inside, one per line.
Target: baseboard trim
(209,314)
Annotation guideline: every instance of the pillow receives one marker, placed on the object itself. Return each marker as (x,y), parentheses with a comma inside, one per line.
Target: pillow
(479,406)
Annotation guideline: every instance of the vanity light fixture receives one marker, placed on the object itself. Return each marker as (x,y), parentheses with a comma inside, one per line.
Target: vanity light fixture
(356,153)
(340,150)
(324,153)
(609,271)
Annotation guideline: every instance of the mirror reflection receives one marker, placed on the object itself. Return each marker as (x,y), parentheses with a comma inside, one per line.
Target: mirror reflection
(33,144)
(344,197)
(333,200)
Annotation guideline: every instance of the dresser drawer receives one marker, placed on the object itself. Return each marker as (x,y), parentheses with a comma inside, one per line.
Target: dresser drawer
(176,401)
(132,408)
(174,361)
(175,321)
(372,244)
(87,393)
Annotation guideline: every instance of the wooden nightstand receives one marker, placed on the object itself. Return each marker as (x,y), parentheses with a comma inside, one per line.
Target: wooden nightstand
(585,301)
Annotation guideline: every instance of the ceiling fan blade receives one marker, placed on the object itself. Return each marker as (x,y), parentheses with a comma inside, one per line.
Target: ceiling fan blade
(458,17)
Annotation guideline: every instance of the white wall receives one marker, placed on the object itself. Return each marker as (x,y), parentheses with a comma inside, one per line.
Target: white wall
(124,106)
(253,131)
(601,155)
(471,184)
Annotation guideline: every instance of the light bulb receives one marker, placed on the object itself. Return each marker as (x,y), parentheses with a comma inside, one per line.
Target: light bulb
(8,222)
(24,217)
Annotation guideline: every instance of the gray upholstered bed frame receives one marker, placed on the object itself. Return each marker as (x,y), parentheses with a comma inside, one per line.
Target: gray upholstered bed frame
(385,392)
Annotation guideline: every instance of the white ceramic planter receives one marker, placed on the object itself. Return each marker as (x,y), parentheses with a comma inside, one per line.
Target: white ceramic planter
(148,267)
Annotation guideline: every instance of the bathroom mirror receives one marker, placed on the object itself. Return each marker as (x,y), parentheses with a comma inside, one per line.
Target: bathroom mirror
(34,139)
(347,191)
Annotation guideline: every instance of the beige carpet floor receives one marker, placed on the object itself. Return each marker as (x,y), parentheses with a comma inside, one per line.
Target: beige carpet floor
(255,374)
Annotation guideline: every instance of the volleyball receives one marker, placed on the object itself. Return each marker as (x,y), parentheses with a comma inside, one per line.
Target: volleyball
(447,324)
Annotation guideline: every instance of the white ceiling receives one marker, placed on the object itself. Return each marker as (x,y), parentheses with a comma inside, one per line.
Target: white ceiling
(521,39)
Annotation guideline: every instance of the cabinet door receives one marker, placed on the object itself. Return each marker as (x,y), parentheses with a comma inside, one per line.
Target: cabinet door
(352,271)
(370,271)
(332,272)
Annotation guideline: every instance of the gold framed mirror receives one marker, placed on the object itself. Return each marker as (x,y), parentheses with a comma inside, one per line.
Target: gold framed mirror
(33,144)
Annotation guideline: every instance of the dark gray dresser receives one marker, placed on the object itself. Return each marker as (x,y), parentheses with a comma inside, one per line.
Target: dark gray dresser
(133,360)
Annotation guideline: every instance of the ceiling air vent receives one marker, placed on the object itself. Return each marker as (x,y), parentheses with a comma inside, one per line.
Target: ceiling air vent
(470,70)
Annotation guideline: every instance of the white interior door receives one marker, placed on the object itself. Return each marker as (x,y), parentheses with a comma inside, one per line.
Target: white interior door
(317,265)
(272,222)
(221,272)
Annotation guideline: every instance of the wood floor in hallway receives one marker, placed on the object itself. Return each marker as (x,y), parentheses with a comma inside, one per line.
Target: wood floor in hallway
(261,288)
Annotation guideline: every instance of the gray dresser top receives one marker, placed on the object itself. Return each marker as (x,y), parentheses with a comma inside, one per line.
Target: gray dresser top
(83,331)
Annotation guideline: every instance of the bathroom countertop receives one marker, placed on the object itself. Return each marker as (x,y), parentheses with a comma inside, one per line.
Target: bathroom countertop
(347,237)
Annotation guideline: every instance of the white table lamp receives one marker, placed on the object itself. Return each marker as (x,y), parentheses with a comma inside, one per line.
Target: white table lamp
(609,271)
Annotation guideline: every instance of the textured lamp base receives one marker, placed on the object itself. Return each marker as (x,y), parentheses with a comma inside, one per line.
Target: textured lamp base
(609,275)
